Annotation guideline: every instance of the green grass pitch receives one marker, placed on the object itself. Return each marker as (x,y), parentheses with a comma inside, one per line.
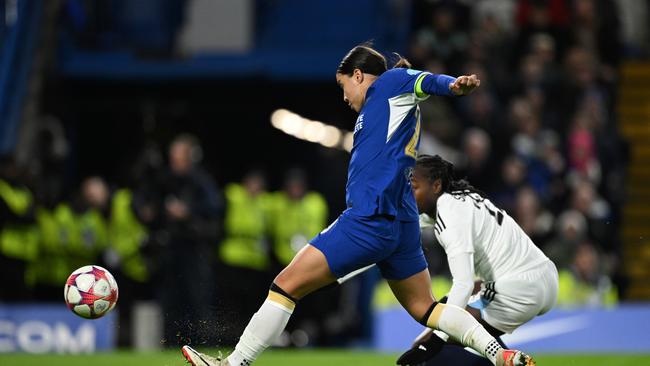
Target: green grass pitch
(291,358)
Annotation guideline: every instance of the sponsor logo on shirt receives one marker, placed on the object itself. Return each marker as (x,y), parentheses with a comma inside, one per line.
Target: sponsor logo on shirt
(359,124)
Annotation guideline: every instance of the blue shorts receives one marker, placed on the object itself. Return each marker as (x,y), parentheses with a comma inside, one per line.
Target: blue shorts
(353,242)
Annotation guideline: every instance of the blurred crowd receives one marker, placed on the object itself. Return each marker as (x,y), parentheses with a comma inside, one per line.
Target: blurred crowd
(539,137)
(174,237)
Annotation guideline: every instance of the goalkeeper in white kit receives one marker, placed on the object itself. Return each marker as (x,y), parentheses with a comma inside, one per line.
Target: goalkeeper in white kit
(518,281)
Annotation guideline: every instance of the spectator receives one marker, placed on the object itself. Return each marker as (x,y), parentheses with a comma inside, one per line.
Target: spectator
(190,208)
(18,232)
(531,144)
(597,211)
(534,16)
(440,128)
(482,110)
(298,215)
(580,82)
(584,283)
(477,163)
(596,27)
(583,160)
(245,251)
(89,238)
(442,39)
(248,207)
(571,229)
(126,259)
(492,35)
(531,216)
(513,177)
(70,236)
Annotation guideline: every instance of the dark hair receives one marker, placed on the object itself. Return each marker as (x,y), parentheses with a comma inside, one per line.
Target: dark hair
(435,167)
(401,62)
(368,60)
(295,175)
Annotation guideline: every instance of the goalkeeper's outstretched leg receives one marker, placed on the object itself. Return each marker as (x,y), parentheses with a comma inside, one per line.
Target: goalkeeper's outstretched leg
(414,293)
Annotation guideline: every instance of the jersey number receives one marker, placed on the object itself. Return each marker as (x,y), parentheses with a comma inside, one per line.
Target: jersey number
(498,215)
(491,209)
(412,147)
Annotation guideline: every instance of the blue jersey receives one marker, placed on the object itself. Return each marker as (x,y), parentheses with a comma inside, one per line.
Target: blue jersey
(386,139)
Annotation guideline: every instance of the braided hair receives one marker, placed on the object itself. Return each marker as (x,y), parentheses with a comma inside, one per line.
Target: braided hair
(435,167)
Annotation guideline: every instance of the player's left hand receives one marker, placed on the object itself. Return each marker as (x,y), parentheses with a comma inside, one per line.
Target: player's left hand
(422,351)
(465,85)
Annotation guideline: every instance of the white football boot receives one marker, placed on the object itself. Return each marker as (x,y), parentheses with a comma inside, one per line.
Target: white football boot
(511,357)
(200,359)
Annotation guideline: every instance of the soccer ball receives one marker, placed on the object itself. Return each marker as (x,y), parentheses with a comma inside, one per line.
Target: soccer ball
(90,292)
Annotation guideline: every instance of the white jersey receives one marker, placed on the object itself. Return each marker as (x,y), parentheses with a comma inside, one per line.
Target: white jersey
(469,223)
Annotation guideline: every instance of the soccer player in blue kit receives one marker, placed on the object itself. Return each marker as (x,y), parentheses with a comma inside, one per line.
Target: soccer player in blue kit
(380,224)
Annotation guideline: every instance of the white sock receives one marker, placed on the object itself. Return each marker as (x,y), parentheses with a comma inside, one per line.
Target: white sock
(462,326)
(265,325)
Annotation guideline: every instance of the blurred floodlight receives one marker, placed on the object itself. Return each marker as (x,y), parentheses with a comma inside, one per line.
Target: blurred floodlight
(331,136)
(293,124)
(312,131)
(348,141)
(277,118)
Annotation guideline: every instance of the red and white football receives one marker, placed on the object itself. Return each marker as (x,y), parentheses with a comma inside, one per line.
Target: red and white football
(90,292)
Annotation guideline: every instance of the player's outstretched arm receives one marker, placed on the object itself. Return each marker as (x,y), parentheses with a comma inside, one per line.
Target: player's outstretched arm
(445,85)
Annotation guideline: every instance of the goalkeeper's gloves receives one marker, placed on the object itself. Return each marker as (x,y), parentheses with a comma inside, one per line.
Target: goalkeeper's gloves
(424,348)
(422,351)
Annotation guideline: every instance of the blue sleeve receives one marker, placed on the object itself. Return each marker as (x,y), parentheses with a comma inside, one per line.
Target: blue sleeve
(434,84)
(420,83)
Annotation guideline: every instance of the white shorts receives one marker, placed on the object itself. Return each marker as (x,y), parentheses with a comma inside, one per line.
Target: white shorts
(511,301)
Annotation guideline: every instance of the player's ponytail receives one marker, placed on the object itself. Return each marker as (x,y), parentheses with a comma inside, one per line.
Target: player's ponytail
(435,167)
(401,62)
(463,186)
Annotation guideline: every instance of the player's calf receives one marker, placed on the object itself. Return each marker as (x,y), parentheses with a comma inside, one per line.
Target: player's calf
(265,325)
(459,324)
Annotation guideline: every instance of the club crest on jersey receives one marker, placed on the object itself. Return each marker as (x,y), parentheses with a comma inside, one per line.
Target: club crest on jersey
(359,124)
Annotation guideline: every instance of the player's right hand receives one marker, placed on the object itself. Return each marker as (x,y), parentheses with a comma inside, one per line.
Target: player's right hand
(464,85)
(424,348)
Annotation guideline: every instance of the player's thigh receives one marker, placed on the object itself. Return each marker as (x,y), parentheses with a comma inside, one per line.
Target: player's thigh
(414,293)
(506,314)
(510,302)
(407,257)
(307,272)
(406,271)
(354,242)
(550,280)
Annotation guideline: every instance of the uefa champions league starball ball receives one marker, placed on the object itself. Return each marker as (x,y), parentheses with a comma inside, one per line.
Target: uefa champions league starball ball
(90,292)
